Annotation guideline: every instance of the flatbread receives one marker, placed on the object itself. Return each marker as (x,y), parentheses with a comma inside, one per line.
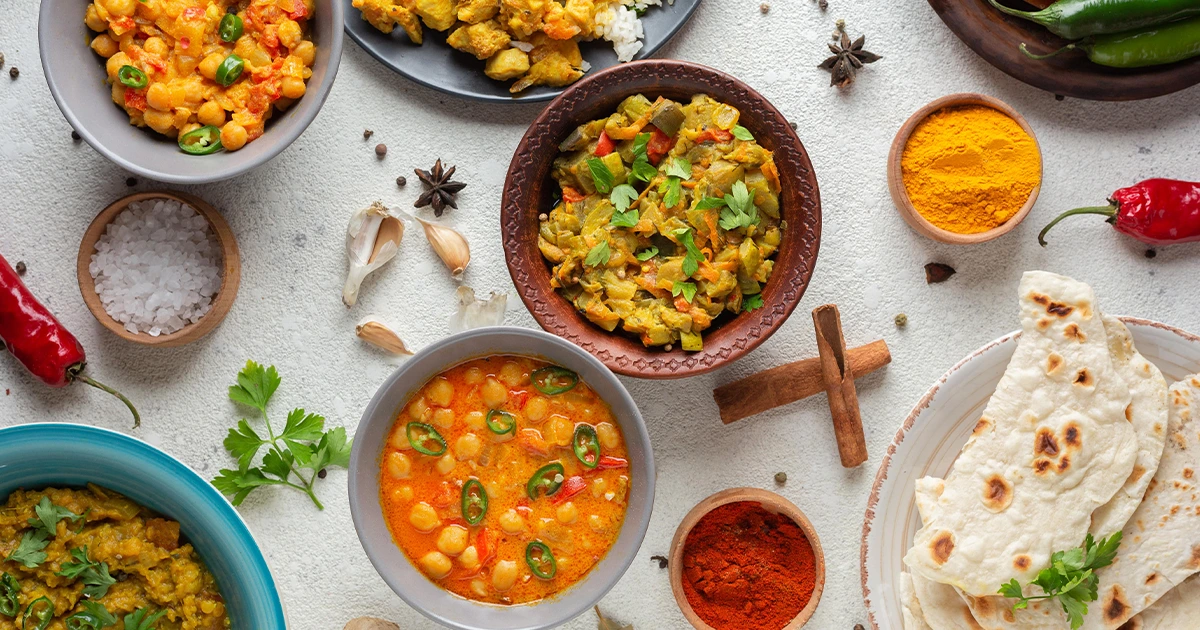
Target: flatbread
(914,618)
(1052,446)
(1178,609)
(940,604)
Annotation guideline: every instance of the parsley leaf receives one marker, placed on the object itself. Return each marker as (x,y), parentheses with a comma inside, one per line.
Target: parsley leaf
(598,256)
(672,190)
(303,443)
(640,142)
(622,197)
(687,289)
(647,254)
(48,516)
(691,261)
(740,211)
(679,167)
(94,575)
(94,616)
(29,551)
(752,303)
(708,203)
(1071,578)
(601,176)
(642,170)
(742,133)
(138,619)
(625,219)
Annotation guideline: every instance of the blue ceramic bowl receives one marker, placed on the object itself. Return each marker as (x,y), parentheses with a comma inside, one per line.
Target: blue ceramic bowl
(35,456)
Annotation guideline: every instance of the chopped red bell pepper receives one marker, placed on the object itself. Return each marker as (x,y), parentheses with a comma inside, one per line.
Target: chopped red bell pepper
(659,144)
(135,99)
(122,25)
(714,135)
(570,195)
(608,463)
(570,488)
(299,11)
(193,13)
(604,146)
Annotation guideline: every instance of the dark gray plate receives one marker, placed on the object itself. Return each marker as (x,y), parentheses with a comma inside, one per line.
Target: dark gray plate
(435,64)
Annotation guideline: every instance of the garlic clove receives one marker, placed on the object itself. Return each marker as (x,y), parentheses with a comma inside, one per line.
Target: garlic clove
(372,239)
(380,336)
(475,313)
(450,246)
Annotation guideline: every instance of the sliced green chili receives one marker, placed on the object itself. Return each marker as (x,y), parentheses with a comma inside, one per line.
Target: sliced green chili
(501,422)
(554,380)
(40,612)
(587,445)
(10,588)
(474,501)
(231,27)
(203,141)
(540,560)
(230,69)
(421,435)
(548,479)
(130,76)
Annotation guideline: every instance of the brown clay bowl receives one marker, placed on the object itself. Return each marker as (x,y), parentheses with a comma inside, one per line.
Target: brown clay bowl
(895,174)
(527,192)
(773,503)
(222,301)
(996,37)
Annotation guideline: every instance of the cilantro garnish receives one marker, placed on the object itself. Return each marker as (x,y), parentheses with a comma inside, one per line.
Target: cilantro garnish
(622,197)
(598,255)
(752,303)
(687,289)
(647,254)
(678,170)
(691,261)
(94,575)
(48,516)
(29,551)
(1071,577)
(642,170)
(601,176)
(140,619)
(304,444)
(742,133)
(740,211)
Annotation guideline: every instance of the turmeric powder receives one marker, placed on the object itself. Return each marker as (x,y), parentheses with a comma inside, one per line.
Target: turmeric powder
(970,169)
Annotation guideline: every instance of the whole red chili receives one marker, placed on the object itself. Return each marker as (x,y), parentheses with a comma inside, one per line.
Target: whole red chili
(1155,212)
(32,334)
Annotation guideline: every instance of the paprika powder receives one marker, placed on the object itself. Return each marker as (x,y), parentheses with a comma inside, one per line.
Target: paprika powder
(746,567)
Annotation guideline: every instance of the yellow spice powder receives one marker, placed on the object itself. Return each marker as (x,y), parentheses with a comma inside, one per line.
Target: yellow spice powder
(969,169)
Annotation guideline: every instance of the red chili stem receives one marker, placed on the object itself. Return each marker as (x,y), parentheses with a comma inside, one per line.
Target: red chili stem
(1109,211)
(137,418)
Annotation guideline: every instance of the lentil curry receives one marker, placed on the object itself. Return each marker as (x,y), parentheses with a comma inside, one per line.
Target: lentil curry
(505,479)
(84,558)
(668,217)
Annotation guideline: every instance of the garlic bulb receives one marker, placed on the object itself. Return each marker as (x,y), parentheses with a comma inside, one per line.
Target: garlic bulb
(372,331)
(476,313)
(372,239)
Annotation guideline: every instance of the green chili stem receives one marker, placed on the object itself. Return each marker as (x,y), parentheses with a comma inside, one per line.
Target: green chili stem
(1025,50)
(1109,211)
(137,418)
(1029,15)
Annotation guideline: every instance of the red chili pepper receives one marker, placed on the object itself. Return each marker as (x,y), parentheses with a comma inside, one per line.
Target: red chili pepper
(32,334)
(135,99)
(658,145)
(604,146)
(717,135)
(607,463)
(1155,212)
(570,488)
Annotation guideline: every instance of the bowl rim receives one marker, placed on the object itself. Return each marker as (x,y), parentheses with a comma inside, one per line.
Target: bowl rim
(895,174)
(280,141)
(361,460)
(787,285)
(222,300)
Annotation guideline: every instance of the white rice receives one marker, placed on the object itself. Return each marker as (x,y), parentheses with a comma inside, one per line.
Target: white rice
(620,24)
(157,267)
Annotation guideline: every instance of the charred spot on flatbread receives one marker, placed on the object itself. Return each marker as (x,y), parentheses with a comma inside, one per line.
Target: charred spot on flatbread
(941,547)
(1009,616)
(1044,323)
(997,494)
(1022,562)
(983,425)
(1072,436)
(1041,466)
(1152,578)
(1115,607)
(1045,443)
(1054,308)
(1072,331)
(1084,378)
(1138,471)
(1188,473)
(1129,413)
(1132,624)
(1053,362)
(1194,563)
(1064,464)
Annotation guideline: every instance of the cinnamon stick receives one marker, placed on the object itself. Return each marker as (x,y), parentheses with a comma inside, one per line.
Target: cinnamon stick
(839,385)
(790,382)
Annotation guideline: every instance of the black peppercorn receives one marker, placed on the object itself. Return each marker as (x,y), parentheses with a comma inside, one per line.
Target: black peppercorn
(401,181)
(367,133)
(781,478)
(1150,253)
(75,136)
(662,561)
(322,473)
(131,181)
(21,267)
(13,72)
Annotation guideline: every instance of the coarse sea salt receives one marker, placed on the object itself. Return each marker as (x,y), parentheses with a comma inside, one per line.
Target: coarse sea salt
(157,267)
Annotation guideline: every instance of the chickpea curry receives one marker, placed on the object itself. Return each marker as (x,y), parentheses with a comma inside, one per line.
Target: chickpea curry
(208,73)
(669,216)
(505,479)
(87,559)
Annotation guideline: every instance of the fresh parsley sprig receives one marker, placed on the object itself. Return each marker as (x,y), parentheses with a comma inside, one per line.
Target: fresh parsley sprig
(141,619)
(304,444)
(48,516)
(740,211)
(752,303)
(94,575)
(686,289)
(647,254)
(602,177)
(29,551)
(94,616)
(642,170)
(691,260)
(742,133)
(622,197)
(1071,577)
(678,170)
(598,256)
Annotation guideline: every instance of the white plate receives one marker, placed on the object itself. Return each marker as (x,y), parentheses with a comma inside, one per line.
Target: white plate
(935,432)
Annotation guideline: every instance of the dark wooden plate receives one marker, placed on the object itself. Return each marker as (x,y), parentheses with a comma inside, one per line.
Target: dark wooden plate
(996,37)
(527,192)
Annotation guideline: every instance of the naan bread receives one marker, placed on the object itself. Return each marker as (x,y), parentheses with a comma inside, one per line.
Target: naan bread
(1178,609)
(914,618)
(1052,446)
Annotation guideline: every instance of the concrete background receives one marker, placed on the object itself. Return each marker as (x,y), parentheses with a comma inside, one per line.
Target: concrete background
(291,214)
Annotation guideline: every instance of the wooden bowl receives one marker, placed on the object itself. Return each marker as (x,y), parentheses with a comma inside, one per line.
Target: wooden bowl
(895,174)
(773,503)
(996,37)
(527,193)
(222,301)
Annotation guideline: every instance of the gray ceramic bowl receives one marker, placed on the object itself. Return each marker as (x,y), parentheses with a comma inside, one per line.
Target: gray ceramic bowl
(400,574)
(77,80)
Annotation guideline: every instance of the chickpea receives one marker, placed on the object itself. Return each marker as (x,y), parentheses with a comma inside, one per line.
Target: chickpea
(149,9)
(536,409)
(468,446)
(208,67)
(558,431)
(596,522)
(187,127)
(403,494)
(292,87)
(155,45)
(477,420)
(512,523)
(118,96)
(441,392)
(245,46)
(114,63)
(399,439)
(124,8)
(473,376)
(469,558)
(94,21)
(504,576)
(479,587)
(494,394)
(104,46)
(567,513)
(194,91)
(445,464)
(289,33)
(234,136)
(424,517)
(183,118)
(162,122)
(436,565)
(512,374)
(608,434)
(177,94)
(211,113)
(417,410)
(599,487)
(399,466)
(158,96)
(453,540)
(443,418)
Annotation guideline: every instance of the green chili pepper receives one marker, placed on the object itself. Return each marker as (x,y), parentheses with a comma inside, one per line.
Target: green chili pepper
(41,617)
(130,76)
(554,380)
(420,435)
(474,501)
(231,27)
(1076,19)
(501,422)
(94,616)
(587,445)
(1154,46)
(548,478)
(230,69)
(203,141)
(540,560)
(10,588)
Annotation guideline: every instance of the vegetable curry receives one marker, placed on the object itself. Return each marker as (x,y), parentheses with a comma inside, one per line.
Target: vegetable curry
(505,479)
(669,216)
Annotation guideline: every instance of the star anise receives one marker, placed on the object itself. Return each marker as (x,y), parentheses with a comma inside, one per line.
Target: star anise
(441,190)
(847,59)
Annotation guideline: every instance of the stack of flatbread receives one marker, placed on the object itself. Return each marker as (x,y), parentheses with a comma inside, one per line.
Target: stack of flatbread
(1082,436)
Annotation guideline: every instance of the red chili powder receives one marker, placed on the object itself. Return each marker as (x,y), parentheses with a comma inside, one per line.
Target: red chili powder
(744,567)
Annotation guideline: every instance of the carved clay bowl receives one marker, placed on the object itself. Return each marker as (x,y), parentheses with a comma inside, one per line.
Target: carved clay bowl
(528,190)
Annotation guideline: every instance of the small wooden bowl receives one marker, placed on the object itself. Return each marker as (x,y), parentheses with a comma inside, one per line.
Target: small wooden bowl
(895,174)
(222,301)
(773,503)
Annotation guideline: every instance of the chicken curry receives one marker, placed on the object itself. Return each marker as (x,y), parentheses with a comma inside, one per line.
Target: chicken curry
(505,479)
(668,216)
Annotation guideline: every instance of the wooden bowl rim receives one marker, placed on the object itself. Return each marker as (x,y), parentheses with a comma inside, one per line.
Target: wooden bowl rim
(895,174)
(222,301)
(772,502)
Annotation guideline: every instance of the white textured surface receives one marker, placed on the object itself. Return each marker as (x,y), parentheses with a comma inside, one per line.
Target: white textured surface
(290,218)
